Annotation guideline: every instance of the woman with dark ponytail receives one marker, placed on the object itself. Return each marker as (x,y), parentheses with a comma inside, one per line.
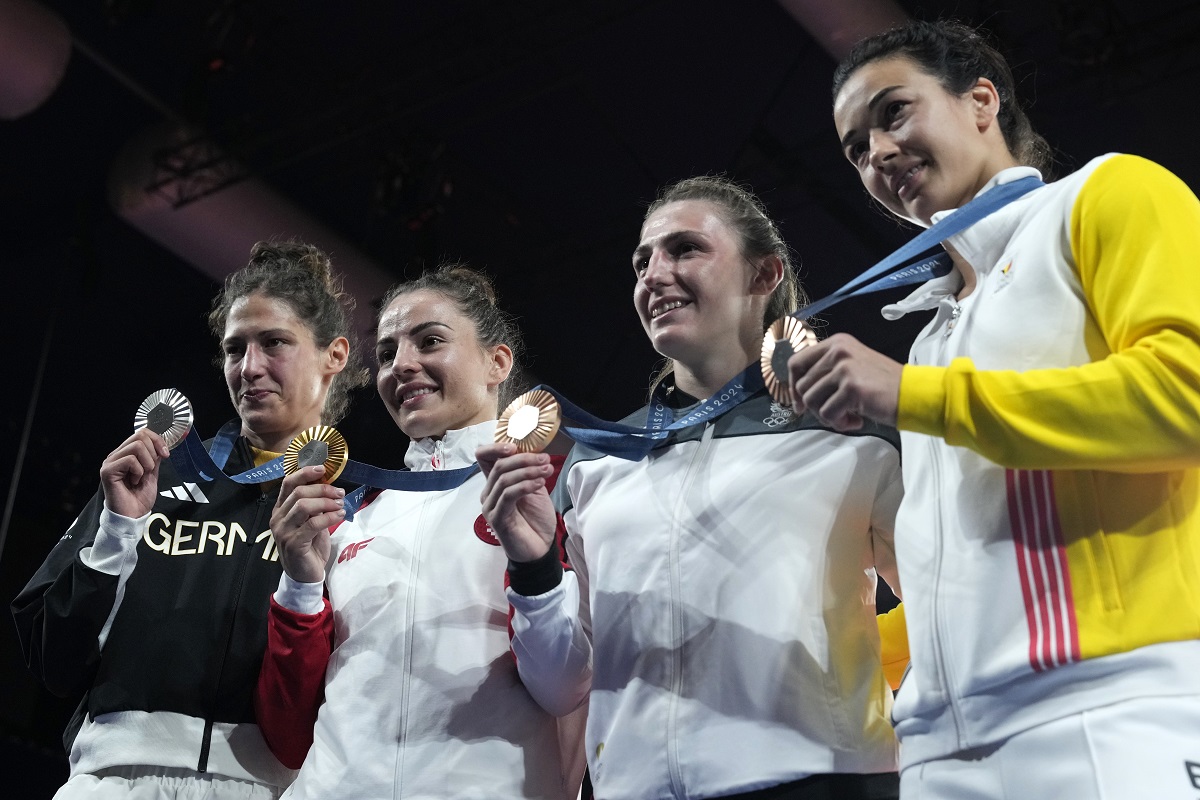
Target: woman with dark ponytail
(152,607)
(1049,538)
(395,626)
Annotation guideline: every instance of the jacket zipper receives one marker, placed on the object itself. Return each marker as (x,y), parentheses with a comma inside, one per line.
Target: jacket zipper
(235,592)
(698,458)
(406,671)
(944,667)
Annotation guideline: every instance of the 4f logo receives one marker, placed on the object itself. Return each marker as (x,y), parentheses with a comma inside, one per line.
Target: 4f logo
(1193,771)
(351,550)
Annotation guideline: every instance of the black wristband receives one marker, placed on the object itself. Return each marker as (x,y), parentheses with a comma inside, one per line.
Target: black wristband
(536,577)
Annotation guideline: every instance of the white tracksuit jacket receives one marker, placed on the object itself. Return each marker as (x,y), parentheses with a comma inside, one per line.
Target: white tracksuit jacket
(422,696)
(1049,538)
(728,593)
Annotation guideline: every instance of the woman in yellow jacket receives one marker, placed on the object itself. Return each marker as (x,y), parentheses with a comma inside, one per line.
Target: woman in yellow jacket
(1049,539)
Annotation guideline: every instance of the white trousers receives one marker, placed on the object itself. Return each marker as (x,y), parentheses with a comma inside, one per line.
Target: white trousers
(1145,749)
(161,783)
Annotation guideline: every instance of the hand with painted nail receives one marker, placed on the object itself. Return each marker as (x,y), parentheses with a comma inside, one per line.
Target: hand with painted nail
(515,501)
(304,513)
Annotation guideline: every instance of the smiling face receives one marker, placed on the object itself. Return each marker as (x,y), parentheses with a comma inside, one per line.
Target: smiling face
(918,148)
(276,373)
(698,298)
(434,375)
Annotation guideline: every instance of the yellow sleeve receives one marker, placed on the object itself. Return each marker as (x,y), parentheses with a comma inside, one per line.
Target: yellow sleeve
(893,645)
(1135,239)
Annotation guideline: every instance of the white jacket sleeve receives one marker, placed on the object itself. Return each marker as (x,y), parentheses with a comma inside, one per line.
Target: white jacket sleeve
(114,552)
(551,640)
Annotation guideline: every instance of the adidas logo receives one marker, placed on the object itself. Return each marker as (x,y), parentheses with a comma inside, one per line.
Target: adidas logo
(188,491)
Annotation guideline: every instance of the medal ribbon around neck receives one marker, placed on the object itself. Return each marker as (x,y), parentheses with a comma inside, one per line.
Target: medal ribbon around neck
(631,442)
(913,262)
(194,463)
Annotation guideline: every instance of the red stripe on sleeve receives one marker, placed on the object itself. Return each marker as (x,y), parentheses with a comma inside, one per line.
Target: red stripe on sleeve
(291,684)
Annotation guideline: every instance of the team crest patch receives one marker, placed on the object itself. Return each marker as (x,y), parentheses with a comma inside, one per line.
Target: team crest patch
(780,415)
(485,532)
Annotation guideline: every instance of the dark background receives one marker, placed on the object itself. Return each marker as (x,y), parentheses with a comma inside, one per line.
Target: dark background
(525,138)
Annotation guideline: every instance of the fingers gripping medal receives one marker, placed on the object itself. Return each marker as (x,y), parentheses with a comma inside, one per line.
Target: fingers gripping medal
(530,422)
(315,447)
(166,412)
(786,336)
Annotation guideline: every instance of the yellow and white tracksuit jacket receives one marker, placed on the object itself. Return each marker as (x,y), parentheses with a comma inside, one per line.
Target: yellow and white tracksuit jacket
(1049,538)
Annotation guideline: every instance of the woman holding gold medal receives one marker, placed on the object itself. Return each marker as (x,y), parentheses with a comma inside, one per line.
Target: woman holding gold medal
(1050,532)
(153,605)
(389,671)
(721,613)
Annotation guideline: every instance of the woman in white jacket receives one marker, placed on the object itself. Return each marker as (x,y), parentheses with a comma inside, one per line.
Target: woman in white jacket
(721,611)
(407,655)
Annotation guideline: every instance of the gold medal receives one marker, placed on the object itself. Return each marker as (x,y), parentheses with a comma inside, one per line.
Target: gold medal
(530,422)
(786,336)
(166,412)
(315,447)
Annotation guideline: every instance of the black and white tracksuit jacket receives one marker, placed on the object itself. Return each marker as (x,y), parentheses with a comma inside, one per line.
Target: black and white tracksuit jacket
(165,656)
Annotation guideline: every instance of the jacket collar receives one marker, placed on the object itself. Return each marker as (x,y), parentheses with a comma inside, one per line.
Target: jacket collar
(981,245)
(456,449)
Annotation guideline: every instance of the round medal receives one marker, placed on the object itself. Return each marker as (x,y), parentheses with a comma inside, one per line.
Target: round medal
(166,412)
(315,447)
(530,422)
(786,336)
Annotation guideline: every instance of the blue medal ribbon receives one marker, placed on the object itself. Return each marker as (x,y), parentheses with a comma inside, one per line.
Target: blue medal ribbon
(633,443)
(916,261)
(404,480)
(194,463)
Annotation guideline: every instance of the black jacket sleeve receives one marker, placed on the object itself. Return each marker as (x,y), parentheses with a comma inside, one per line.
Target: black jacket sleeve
(61,611)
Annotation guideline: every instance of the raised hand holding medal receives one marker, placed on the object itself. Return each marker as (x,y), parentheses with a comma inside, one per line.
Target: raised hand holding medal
(308,506)
(515,501)
(129,475)
(833,397)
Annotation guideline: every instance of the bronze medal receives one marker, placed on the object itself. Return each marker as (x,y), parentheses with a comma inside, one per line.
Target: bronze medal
(786,336)
(166,412)
(530,422)
(315,447)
